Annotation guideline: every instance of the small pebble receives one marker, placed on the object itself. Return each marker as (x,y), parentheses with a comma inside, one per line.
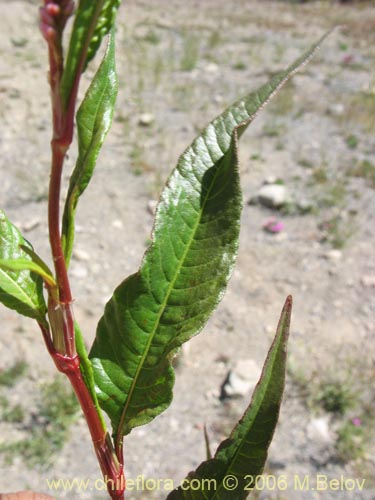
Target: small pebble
(272,195)
(81,255)
(212,68)
(146,119)
(241,380)
(117,223)
(333,254)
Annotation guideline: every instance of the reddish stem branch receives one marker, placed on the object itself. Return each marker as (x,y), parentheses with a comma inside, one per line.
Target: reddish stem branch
(65,296)
(53,18)
(61,345)
(112,470)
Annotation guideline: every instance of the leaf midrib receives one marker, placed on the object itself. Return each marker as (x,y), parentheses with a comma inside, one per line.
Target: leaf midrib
(163,305)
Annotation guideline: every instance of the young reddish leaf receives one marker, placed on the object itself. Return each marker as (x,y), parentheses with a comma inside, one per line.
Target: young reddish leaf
(241,458)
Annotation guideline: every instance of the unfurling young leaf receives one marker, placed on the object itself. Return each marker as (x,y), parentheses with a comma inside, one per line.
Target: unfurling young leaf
(93,20)
(94,119)
(184,272)
(20,288)
(240,459)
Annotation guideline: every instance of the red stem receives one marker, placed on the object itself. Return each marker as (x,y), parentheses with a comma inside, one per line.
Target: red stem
(62,344)
(110,466)
(65,296)
(112,470)
(59,146)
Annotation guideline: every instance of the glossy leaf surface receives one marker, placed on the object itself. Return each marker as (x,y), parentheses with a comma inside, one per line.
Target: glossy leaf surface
(20,289)
(184,272)
(94,119)
(242,457)
(93,20)
(180,282)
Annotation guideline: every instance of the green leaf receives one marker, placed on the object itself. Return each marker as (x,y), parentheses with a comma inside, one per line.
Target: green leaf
(181,280)
(93,20)
(20,288)
(94,119)
(86,370)
(241,458)
(26,265)
(44,269)
(184,272)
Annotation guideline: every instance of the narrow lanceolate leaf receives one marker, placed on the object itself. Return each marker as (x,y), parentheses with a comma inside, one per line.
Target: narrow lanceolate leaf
(20,288)
(94,119)
(93,20)
(184,272)
(239,459)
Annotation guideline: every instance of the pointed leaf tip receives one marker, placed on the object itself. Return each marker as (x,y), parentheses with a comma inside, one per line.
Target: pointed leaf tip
(242,456)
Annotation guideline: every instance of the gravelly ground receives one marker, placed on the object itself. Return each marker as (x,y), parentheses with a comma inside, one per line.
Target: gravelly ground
(182,62)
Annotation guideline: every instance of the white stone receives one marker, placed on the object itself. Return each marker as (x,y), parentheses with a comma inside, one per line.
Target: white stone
(242,379)
(272,195)
(318,430)
(81,255)
(146,119)
(212,68)
(333,254)
(117,223)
